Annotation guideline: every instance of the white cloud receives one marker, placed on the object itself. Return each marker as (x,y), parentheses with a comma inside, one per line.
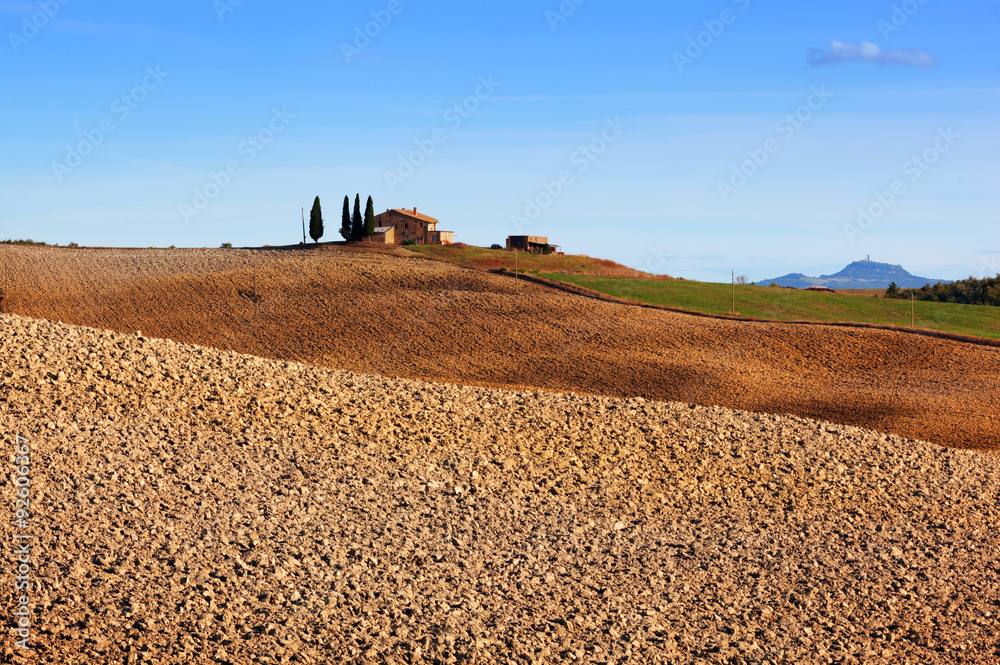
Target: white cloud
(868,52)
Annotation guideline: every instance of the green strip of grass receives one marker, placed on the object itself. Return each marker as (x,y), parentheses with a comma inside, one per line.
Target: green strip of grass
(768,302)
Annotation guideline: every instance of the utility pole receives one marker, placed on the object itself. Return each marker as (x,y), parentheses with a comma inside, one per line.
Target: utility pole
(912,325)
(303,226)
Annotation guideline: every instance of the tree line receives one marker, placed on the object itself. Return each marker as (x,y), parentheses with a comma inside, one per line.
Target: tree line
(970,291)
(353,227)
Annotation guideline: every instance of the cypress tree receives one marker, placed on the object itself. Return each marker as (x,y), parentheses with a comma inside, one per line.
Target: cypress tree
(345,220)
(357,224)
(316,222)
(369,217)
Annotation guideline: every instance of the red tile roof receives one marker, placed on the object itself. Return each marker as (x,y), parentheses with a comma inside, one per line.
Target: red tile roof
(412,213)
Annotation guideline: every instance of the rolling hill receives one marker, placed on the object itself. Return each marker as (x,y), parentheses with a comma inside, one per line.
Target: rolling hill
(413,318)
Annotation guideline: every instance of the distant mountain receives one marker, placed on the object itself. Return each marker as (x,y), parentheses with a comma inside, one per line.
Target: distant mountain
(858,275)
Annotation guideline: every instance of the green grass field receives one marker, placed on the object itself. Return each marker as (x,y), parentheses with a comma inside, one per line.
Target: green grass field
(762,302)
(769,302)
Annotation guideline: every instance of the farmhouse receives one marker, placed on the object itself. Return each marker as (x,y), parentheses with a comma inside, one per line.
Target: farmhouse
(401,225)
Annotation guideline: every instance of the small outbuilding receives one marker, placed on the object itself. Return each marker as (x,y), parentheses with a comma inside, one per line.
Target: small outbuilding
(529,243)
(385,235)
(440,237)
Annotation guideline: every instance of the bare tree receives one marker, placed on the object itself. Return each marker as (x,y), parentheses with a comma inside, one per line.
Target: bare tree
(741,279)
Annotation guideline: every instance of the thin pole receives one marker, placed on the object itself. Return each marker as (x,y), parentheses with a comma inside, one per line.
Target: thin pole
(515,270)
(303,226)
(912,325)
(733,312)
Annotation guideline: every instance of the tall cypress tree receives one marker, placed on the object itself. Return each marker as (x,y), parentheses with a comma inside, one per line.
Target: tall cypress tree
(357,224)
(316,222)
(369,217)
(345,220)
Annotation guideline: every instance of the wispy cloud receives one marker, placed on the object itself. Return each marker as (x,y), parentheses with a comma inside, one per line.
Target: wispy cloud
(868,52)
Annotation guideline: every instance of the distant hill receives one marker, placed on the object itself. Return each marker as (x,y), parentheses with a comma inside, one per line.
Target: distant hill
(858,275)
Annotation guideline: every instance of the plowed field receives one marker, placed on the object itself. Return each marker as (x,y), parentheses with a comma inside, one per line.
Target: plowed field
(413,318)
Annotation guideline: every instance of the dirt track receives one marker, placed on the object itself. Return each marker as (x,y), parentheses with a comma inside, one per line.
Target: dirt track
(419,319)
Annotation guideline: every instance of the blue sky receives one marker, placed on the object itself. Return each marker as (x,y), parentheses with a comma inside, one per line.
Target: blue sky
(761,137)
